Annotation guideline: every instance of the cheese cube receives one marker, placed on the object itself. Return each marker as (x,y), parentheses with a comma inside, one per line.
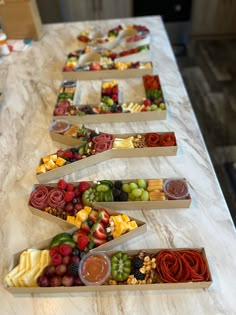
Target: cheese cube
(60,161)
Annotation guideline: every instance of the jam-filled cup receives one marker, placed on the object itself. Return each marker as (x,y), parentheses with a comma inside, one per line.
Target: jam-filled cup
(95,268)
(176,189)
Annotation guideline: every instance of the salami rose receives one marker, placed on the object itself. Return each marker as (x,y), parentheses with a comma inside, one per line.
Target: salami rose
(167,139)
(152,139)
(39,197)
(56,198)
(101,146)
(104,137)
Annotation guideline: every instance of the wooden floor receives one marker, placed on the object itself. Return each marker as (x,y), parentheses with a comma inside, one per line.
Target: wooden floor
(209,72)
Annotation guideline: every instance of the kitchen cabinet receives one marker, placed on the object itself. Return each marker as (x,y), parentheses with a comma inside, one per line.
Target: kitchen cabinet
(74,10)
(214,18)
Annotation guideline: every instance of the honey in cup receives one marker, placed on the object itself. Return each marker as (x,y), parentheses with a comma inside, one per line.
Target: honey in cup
(94,268)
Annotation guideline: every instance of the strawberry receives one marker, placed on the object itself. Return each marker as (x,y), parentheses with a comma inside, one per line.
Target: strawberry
(68,154)
(61,184)
(70,187)
(69,195)
(99,231)
(95,66)
(144,110)
(65,249)
(56,259)
(77,234)
(83,186)
(82,242)
(147,102)
(77,156)
(85,227)
(105,216)
(98,242)
(93,215)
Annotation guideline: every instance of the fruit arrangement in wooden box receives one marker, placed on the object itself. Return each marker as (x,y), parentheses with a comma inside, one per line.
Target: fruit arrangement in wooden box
(102,146)
(67,268)
(150,108)
(133,194)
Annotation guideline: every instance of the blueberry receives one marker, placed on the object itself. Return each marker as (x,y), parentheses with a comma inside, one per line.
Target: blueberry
(74,201)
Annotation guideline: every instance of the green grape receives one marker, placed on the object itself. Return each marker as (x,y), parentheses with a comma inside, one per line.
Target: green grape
(137,199)
(133,185)
(109,101)
(145,196)
(153,107)
(142,183)
(131,196)
(136,192)
(162,106)
(126,188)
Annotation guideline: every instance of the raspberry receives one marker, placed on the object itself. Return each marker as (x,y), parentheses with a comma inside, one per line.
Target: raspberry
(115,98)
(69,195)
(56,259)
(65,249)
(83,186)
(115,90)
(53,251)
(60,153)
(82,242)
(61,184)
(68,154)
(70,187)
(147,102)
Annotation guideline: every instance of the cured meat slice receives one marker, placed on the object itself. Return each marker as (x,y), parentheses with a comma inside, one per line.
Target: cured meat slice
(101,146)
(39,197)
(181,266)
(56,198)
(167,139)
(152,139)
(196,265)
(104,137)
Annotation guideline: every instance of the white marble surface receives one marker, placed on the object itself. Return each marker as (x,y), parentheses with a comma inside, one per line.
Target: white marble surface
(29,96)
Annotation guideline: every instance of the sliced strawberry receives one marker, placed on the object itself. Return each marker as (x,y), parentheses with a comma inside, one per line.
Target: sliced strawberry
(93,215)
(85,227)
(105,216)
(99,231)
(77,234)
(98,242)
(82,242)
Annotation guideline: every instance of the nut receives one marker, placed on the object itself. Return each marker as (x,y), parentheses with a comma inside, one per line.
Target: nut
(149,281)
(154,265)
(112,282)
(146,258)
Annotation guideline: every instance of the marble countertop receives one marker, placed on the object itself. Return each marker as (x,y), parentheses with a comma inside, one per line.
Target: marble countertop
(30,80)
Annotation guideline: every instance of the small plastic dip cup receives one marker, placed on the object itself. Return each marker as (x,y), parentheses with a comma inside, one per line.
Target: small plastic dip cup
(176,188)
(95,268)
(60,125)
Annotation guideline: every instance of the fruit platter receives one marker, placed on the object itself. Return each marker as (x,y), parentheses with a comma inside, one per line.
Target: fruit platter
(131,35)
(62,265)
(129,194)
(100,147)
(153,107)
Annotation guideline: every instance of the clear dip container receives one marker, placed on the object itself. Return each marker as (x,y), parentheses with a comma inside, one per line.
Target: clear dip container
(176,188)
(95,268)
(60,125)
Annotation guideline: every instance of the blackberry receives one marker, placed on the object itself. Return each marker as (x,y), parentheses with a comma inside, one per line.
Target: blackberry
(139,275)
(109,238)
(73,269)
(113,108)
(136,263)
(118,184)
(123,196)
(116,193)
(74,201)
